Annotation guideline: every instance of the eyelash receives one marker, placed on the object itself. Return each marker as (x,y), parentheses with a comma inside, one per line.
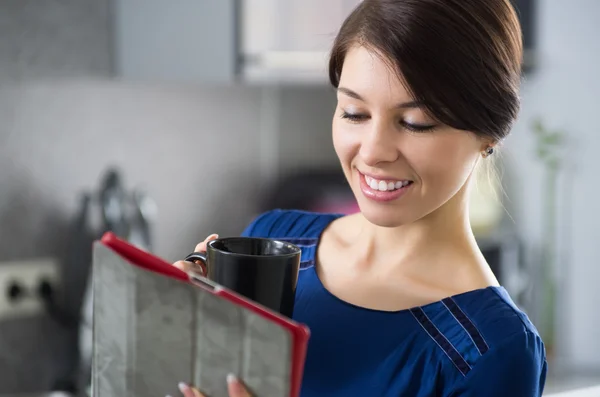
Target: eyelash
(357,118)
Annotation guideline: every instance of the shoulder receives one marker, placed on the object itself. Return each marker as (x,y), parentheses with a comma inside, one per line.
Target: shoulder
(515,367)
(495,349)
(289,224)
(490,312)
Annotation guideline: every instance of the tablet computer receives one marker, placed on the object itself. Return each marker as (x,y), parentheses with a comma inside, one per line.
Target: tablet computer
(155,326)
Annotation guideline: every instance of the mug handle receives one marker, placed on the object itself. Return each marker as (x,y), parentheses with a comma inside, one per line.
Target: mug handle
(199,259)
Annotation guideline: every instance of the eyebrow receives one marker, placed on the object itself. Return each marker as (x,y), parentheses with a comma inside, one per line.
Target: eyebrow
(404,105)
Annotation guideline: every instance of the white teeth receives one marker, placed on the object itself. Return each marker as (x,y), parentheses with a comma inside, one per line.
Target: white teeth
(384,186)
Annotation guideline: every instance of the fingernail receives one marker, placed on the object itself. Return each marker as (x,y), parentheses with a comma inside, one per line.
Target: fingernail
(183,387)
(212,237)
(235,385)
(178,265)
(231,378)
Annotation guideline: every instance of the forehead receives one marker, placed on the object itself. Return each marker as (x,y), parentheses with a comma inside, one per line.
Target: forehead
(372,76)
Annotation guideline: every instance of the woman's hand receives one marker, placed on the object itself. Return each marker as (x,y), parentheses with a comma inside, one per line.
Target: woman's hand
(201,247)
(234,387)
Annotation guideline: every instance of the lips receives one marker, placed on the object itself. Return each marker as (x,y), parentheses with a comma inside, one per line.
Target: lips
(383,190)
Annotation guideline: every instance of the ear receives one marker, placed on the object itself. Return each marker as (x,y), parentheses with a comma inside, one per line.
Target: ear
(487,147)
(488,143)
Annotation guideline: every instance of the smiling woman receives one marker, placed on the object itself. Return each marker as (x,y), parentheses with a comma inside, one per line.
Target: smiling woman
(422,68)
(399,299)
(382,135)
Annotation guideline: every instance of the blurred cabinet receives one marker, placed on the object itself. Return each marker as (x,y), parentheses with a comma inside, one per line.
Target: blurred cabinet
(226,41)
(184,41)
(181,41)
(289,40)
(47,40)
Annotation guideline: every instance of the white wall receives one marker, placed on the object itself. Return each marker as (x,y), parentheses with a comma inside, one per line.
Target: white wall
(197,150)
(565,92)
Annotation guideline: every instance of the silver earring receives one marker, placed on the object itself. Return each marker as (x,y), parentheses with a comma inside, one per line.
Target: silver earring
(487,152)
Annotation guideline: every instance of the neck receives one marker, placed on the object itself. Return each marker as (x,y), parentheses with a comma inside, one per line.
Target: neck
(444,234)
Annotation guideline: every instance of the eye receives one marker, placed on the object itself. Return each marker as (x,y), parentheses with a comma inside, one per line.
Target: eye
(354,117)
(417,127)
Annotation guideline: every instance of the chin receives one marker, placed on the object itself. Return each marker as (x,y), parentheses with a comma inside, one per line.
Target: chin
(384,215)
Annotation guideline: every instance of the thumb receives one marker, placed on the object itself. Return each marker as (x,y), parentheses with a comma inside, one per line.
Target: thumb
(201,247)
(235,387)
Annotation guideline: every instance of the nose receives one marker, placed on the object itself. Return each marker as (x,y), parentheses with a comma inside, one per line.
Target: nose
(378,146)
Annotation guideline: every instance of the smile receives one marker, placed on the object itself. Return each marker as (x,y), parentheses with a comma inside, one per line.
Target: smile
(383,185)
(383,190)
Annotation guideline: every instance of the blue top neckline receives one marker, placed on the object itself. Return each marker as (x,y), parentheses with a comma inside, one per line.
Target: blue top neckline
(496,288)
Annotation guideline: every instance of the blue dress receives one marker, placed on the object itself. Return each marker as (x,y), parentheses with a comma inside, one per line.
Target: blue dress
(473,344)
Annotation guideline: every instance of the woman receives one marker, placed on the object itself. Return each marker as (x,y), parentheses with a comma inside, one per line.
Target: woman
(399,299)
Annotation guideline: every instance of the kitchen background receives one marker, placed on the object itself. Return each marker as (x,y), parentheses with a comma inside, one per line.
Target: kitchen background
(167,121)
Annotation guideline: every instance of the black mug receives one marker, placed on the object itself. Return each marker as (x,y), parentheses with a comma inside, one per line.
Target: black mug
(263,270)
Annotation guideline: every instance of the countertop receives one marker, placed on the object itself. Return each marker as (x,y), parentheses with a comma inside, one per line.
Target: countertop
(572,386)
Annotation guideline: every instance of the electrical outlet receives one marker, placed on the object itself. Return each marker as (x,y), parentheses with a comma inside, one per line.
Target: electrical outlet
(22,285)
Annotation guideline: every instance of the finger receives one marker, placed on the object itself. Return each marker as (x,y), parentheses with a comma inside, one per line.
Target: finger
(188,391)
(183,265)
(235,388)
(201,247)
(196,268)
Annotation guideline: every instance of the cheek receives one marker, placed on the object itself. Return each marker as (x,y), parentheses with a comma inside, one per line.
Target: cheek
(344,142)
(442,165)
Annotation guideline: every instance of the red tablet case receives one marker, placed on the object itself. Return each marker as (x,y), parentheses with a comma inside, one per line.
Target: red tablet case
(152,320)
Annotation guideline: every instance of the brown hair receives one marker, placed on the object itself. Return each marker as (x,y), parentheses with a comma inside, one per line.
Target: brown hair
(461,58)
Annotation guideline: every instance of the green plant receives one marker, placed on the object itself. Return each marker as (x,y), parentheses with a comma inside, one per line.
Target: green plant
(549,146)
